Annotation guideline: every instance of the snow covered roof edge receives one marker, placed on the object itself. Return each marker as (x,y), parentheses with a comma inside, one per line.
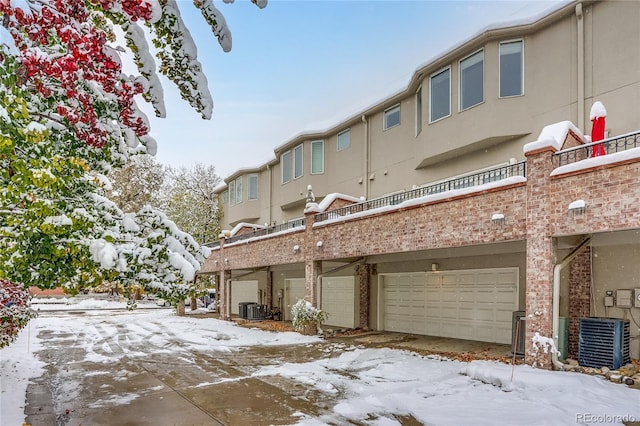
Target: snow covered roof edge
(554,135)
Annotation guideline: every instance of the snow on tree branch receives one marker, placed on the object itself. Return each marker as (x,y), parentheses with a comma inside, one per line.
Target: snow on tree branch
(68,116)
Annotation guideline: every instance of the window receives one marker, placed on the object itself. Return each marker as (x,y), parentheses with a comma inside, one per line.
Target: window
(232,192)
(440,99)
(285,163)
(253,187)
(317,157)
(392,117)
(297,161)
(239,190)
(472,80)
(511,69)
(419,111)
(344,139)
(225,197)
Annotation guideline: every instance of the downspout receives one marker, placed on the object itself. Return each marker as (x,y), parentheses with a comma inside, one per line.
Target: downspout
(580,65)
(556,298)
(320,276)
(366,156)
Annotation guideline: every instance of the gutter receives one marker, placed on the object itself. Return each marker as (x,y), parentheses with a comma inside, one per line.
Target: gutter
(556,297)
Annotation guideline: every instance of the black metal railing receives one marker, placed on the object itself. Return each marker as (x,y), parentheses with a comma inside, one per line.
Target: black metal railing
(476,179)
(607,146)
(212,244)
(259,232)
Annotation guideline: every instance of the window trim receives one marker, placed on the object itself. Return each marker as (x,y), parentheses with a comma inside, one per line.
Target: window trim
(384,117)
(282,166)
(460,107)
(440,71)
(522,73)
(418,99)
(249,176)
(318,141)
(338,139)
(293,159)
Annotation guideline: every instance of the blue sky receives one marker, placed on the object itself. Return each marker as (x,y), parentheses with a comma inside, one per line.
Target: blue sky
(301,65)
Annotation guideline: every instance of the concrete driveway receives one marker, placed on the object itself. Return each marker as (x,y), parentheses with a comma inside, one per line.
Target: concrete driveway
(145,374)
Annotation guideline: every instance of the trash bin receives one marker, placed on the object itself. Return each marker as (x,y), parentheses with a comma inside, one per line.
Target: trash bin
(256,312)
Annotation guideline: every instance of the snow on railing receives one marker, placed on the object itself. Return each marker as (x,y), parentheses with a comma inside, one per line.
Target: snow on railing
(476,179)
(583,152)
(295,223)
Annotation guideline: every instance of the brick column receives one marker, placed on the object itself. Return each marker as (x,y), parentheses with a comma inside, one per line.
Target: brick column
(269,300)
(364,281)
(312,266)
(224,293)
(541,254)
(579,296)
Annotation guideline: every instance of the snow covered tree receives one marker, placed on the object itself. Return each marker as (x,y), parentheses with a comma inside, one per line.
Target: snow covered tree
(68,117)
(191,201)
(137,184)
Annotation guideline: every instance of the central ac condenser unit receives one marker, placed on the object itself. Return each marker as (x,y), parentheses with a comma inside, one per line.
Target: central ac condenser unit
(603,342)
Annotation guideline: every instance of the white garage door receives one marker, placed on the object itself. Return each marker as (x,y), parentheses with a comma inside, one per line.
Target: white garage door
(338,301)
(294,291)
(469,304)
(243,291)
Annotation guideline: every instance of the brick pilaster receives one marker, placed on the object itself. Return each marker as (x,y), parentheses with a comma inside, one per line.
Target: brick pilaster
(364,281)
(541,254)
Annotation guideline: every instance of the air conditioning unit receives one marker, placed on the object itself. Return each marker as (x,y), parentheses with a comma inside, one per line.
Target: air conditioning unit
(256,312)
(243,309)
(604,342)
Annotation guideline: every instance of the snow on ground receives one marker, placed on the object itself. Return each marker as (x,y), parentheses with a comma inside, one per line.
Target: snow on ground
(367,383)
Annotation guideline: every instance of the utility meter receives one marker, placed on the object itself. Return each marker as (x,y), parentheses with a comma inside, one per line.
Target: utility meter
(636,297)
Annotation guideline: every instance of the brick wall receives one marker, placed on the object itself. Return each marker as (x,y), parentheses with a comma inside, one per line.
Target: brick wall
(579,296)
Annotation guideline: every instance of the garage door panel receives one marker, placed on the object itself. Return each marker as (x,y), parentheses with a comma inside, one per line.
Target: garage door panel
(338,300)
(470,304)
(294,289)
(243,291)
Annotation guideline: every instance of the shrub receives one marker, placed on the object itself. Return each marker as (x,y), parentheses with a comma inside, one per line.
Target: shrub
(305,314)
(15,311)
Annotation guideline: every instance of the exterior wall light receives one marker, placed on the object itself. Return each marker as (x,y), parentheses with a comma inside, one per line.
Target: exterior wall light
(497,218)
(319,244)
(577,207)
(435,267)
(296,248)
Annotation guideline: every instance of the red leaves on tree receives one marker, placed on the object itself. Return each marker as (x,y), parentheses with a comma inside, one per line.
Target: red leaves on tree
(66,57)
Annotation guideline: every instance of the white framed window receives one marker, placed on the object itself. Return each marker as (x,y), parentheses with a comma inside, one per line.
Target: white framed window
(391,117)
(317,157)
(253,186)
(232,192)
(225,197)
(511,68)
(419,110)
(285,163)
(440,95)
(472,80)
(298,161)
(238,182)
(344,139)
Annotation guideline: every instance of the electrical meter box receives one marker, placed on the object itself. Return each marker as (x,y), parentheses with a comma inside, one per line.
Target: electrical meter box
(636,297)
(623,298)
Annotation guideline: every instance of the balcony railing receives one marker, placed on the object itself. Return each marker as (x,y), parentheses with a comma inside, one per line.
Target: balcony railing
(267,231)
(481,178)
(582,152)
